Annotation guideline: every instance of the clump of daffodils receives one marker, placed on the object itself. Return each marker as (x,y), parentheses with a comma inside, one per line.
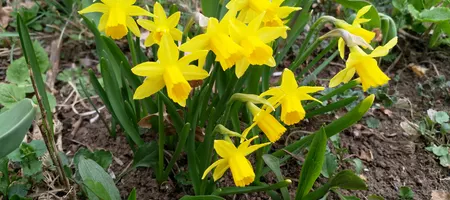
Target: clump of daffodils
(242,38)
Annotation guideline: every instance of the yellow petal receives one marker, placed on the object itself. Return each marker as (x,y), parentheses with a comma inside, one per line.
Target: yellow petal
(168,51)
(102,22)
(178,88)
(159,13)
(176,34)
(342,77)
(269,34)
(242,170)
(246,131)
(116,32)
(255,24)
(147,24)
(270,126)
(220,170)
(173,20)
(212,167)
(224,148)
(291,110)
(131,24)
(199,42)
(362,12)
(193,72)
(241,66)
(137,11)
(238,30)
(288,81)
(371,75)
(149,86)
(309,89)
(149,69)
(285,11)
(384,50)
(250,149)
(96,7)
(197,55)
(149,41)
(341,47)
(273,91)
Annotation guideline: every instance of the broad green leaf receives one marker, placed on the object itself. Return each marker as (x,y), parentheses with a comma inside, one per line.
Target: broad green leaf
(4,175)
(358,165)
(374,197)
(19,189)
(405,193)
(330,165)
(14,125)
(441,117)
(400,4)
(202,197)
(146,155)
(438,150)
(331,107)
(274,164)
(31,168)
(413,11)
(17,72)
(89,169)
(444,160)
(97,188)
(348,180)
(248,189)
(101,157)
(10,94)
(39,147)
(313,164)
(358,4)
(438,14)
(41,56)
(132,195)
(372,122)
(210,8)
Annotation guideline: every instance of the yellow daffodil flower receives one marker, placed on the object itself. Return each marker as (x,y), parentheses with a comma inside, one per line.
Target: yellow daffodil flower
(234,158)
(365,65)
(253,39)
(289,96)
(355,29)
(170,71)
(217,40)
(161,25)
(249,9)
(275,13)
(266,122)
(117,16)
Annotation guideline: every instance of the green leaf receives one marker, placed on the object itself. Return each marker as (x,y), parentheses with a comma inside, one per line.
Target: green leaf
(438,150)
(249,189)
(444,160)
(51,101)
(101,157)
(41,56)
(400,5)
(19,189)
(210,8)
(132,195)
(4,176)
(15,124)
(358,165)
(313,164)
(89,169)
(373,122)
(274,164)
(10,94)
(346,179)
(39,147)
(405,193)
(331,107)
(146,155)
(358,4)
(31,168)
(438,14)
(97,188)
(413,11)
(30,55)
(330,165)
(202,197)
(441,117)
(17,71)
(374,197)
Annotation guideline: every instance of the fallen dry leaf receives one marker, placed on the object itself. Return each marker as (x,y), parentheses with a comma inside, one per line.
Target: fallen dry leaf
(418,70)
(5,14)
(366,155)
(410,129)
(440,195)
(378,34)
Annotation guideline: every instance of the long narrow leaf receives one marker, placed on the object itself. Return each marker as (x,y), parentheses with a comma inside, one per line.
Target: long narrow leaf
(330,107)
(243,190)
(313,164)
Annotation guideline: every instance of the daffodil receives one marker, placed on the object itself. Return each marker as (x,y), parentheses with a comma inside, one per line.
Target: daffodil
(365,66)
(249,9)
(355,29)
(266,122)
(171,72)
(161,25)
(234,158)
(275,14)
(217,40)
(117,17)
(289,96)
(253,39)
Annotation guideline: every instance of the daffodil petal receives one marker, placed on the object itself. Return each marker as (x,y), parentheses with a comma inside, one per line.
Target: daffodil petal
(224,148)
(96,7)
(168,51)
(285,11)
(137,11)
(256,23)
(131,24)
(273,91)
(149,69)
(253,148)
(309,89)
(288,81)
(241,66)
(212,167)
(176,34)
(371,75)
(147,24)
(193,72)
(159,12)
(341,47)
(173,20)
(149,86)
(102,22)
(384,50)
(362,12)
(269,34)
(197,55)
(220,170)
(199,42)
(246,131)
(341,76)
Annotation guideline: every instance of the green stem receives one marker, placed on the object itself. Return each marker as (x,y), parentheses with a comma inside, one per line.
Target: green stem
(132,48)
(180,146)
(161,139)
(317,58)
(249,189)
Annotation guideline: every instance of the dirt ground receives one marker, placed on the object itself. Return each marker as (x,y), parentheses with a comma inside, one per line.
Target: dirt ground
(394,159)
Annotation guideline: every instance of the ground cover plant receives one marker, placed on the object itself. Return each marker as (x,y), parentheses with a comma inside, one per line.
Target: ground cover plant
(211,101)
